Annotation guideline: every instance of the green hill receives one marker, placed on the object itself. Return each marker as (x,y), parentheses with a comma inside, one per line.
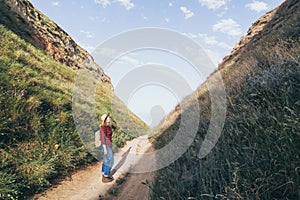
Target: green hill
(257,155)
(38,138)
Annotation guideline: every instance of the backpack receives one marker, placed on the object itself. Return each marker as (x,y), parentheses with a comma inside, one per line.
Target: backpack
(97,139)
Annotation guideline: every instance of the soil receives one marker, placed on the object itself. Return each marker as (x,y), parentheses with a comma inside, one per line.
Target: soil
(86,183)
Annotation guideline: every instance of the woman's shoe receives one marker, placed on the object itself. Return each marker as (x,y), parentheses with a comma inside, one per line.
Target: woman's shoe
(107,179)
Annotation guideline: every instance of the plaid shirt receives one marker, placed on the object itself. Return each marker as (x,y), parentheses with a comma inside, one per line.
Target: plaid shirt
(106,135)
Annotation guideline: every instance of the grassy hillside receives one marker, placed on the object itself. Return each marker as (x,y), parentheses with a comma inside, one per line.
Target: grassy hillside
(38,138)
(21,17)
(257,155)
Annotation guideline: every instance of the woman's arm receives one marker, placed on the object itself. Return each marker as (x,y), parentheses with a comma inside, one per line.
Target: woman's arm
(103,139)
(105,149)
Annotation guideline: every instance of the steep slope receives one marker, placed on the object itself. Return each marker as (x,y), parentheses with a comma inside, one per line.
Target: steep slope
(39,141)
(38,138)
(280,22)
(22,18)
(257,155)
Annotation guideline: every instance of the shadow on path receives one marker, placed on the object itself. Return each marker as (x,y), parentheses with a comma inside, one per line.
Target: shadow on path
(121,162)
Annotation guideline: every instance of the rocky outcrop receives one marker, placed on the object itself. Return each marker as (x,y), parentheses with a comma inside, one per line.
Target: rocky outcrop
(252,34)
(270,23)
(22,18)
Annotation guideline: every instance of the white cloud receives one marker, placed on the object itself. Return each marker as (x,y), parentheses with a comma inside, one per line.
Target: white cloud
(215,56)
(128,60)
(125,3)
(222,13)
(191,35)
(144,17)
(170,4)
(228,26)
(55,3)
(104,3)
(224,45)
(105,20)
(209,40)
(93,18)
(257,6)
(87,33)
(187,12)
(87,47)
(213,4)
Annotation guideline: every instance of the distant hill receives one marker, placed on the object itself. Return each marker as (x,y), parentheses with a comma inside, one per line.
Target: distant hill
(39,64)
(257,155)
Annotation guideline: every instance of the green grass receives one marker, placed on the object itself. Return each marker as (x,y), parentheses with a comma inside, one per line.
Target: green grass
(38,138)
(257,155)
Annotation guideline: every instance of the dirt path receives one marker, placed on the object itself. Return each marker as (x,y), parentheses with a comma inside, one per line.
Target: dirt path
(135,186)
(86,184)
(132,189)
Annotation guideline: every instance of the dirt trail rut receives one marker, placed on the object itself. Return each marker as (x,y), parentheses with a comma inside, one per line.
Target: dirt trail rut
(86,183)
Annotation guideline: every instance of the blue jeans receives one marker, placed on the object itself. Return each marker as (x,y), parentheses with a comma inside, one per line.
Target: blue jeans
(108,161)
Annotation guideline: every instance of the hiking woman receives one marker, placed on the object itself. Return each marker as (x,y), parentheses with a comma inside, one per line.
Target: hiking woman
(106,148)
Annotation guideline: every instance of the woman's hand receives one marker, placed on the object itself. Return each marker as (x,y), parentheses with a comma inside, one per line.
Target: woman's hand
(105,150)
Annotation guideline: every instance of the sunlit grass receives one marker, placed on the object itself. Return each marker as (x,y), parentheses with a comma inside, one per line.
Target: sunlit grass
(38,137)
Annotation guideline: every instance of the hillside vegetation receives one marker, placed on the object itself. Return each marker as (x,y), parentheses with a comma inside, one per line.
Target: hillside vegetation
(38,139)
(21,17)
(257,155)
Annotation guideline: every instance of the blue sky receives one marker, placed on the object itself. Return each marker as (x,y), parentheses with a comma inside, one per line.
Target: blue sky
(216,25)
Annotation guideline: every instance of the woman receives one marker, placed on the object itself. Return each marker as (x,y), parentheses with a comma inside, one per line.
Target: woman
(106,148)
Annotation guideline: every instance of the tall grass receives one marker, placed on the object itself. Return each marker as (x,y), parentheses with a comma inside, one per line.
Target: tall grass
(38,138)
(257,155)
